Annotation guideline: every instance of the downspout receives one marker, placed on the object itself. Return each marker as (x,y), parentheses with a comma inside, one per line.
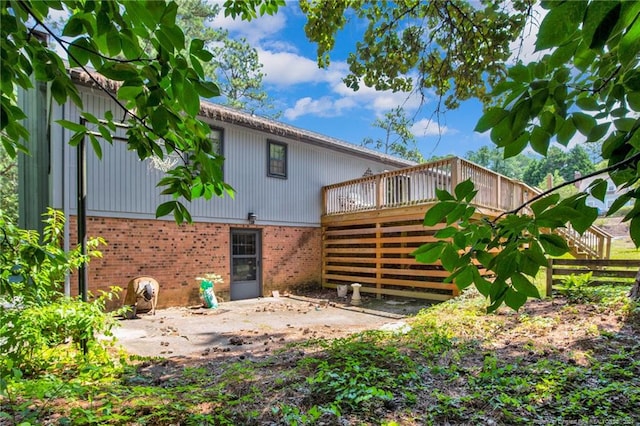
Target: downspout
(65,200)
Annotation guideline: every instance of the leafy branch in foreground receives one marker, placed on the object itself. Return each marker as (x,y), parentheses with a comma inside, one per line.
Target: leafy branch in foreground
(501,258)
(587,87)
(159,76)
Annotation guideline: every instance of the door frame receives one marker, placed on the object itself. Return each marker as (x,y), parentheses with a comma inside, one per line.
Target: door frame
(258,256)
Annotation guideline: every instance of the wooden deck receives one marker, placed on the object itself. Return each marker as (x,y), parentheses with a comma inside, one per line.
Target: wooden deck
(372,224)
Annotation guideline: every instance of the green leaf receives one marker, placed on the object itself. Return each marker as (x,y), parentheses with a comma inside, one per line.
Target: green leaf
(447,232)
(633,99)
(165,208)
(520,73)
(207,89)
(159,120)
(629,47)
(600,20)
(506,264)
(598,189)
(588,103)
(96,146)
(463,189)
(79,52)
(631,80)
(490,119)
(534,254)
(583,122)
(483,285)
(517,146)
(619,203)
(540,140)
(598,132)
(559,24)
(634,230)
(428,253)
(74,127)
(190,99)
(460,240)
(514,299)
(449,258)
(524,286)
(464,277)
(542,204)
(438,212)
(444,195)
(554,245)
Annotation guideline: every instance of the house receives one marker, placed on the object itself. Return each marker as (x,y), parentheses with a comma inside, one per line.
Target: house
(612,193)
(267,238)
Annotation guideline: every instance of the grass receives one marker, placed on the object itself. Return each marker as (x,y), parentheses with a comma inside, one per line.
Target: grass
(571,360)
(561,361)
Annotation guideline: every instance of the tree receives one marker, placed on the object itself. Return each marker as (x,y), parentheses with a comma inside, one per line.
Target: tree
(398,139)
(159,74)
(568,164)
(8,186)
(588,82)
(493,159)
(235,65)
(454,48)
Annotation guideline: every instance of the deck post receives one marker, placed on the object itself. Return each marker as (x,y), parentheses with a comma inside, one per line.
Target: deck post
(455,173)
(324,201)
(378,259)
(379,192)
(550,279)
(499,193)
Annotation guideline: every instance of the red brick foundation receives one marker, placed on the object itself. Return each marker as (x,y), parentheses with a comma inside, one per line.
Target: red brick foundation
(176,254)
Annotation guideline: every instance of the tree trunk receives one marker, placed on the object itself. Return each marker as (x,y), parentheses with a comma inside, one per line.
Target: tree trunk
(635,290)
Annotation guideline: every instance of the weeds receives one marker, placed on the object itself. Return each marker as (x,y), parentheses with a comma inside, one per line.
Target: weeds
(455,365)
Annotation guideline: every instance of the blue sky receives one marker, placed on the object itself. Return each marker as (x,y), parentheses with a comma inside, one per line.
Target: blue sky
(317,100)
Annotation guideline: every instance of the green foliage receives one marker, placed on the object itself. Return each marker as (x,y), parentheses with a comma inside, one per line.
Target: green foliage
(398,139)
(233,63)
(512,248)
(35,317)
(453,48)
(493,159)
(359,373)
(8,186)
(159,72)
(458,364)
(565,163)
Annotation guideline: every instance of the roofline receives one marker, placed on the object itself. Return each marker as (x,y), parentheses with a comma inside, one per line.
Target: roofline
(251,121)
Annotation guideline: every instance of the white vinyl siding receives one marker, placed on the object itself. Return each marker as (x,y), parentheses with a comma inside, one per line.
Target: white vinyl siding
(120,185)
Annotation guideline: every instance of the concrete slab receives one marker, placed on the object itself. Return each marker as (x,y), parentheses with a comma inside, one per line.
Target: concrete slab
(248,327)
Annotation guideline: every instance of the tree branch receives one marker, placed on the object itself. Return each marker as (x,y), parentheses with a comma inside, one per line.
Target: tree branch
(618,165)
(104,89)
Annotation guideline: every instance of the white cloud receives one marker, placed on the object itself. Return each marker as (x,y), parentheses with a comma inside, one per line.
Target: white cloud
(323,107)
(426,127)
(288,69)
(254,31)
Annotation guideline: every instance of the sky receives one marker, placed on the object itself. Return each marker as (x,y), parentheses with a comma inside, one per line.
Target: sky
(317,99)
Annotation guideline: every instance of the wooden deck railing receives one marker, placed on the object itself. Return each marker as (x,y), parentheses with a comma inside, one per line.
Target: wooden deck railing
(417,185)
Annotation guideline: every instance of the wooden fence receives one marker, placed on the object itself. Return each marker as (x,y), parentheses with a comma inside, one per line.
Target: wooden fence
(603,271)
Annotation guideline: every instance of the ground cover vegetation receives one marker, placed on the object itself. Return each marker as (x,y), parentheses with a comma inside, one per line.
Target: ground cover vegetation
(550,361)
(575,358)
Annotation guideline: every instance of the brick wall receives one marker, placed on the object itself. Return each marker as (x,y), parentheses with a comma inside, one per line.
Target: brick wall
(176,254)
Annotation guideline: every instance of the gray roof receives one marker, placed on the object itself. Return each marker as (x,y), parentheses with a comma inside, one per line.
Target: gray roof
(233,116)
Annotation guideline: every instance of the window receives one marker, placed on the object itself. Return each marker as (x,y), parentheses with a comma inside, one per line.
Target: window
(277,163)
